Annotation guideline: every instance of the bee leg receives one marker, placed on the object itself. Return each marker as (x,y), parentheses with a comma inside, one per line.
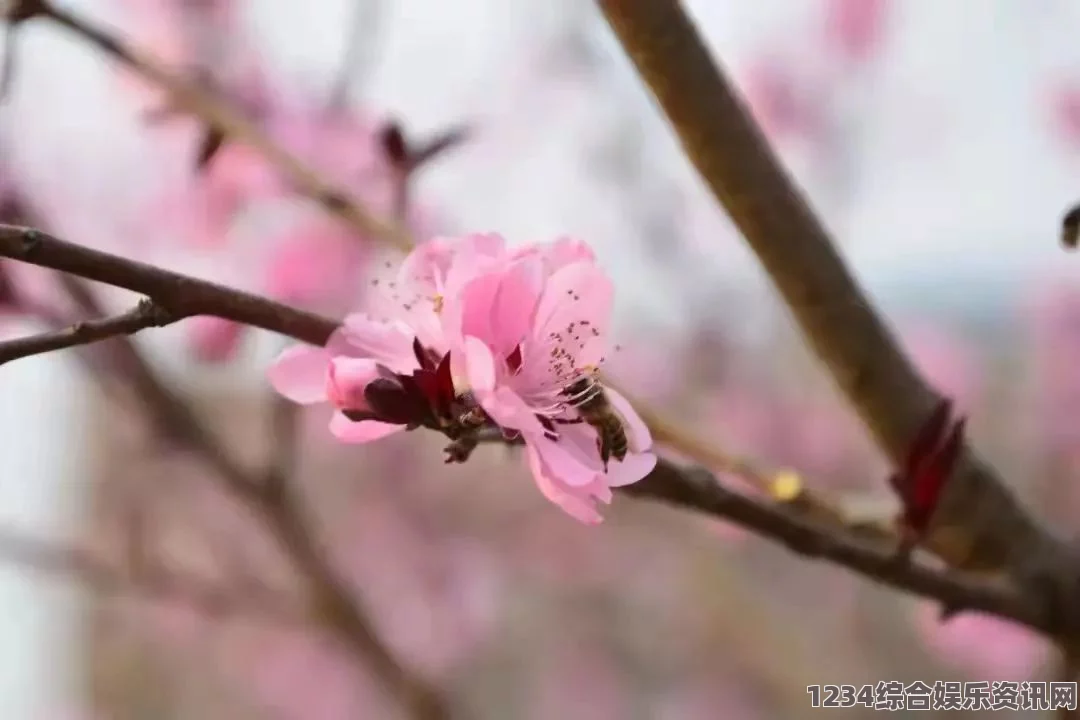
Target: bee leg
(568,421)
(604,448)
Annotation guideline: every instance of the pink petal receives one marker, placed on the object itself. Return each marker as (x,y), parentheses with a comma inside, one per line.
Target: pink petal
(566,251)
(515,303)
(579,506)
(637,432)
(364,431)
(509,410)
(390,343)
(630,469)
(299,373)
(580,291)
(347,379)
(479,366)
(573,463)
(470,312)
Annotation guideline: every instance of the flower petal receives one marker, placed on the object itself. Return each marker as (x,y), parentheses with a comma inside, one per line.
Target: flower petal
(514,304)
(510,411)
(388,342)
(299,373)
(579,505)
(364,431)
(630,469)
(479,366)
(574,462)
(347,378)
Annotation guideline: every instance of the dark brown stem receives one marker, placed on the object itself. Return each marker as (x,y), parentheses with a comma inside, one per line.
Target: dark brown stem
(979,523)
(788,524)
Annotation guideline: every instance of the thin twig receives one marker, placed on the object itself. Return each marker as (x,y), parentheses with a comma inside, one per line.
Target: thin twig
(690,489)
(144,315)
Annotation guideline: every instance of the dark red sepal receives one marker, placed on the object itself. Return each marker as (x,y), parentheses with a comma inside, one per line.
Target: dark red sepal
(928,466)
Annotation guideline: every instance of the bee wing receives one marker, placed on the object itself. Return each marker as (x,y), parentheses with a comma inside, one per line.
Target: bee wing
(637,433)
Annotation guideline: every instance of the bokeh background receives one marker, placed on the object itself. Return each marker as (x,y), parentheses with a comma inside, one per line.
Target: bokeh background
(940,144)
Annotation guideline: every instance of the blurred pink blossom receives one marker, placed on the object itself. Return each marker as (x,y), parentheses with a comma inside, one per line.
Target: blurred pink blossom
(987,647)
(1054,312)
(1064,112)
(783,103)
(435,600)
(578,681)
(707,699)
(213,339)
(854,28)
(647,364)
(821,436)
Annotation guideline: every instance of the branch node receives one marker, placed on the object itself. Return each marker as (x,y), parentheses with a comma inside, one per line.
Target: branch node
(31,241)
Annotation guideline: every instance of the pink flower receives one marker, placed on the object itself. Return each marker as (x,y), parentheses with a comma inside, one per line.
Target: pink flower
(532,331)
(402,333)
(855,27)
(469,334)
(214,339)
(988,647)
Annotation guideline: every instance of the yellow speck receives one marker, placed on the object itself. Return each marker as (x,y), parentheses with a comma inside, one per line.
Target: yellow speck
(786,486)
(438,302)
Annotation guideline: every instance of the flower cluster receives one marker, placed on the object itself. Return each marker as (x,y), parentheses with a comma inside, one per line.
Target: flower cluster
(471,337)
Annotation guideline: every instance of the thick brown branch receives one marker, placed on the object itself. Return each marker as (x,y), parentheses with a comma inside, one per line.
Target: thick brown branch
(146,314)
(690,489)
(980,524)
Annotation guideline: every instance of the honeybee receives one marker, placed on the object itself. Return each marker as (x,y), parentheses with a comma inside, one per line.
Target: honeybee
(587,396)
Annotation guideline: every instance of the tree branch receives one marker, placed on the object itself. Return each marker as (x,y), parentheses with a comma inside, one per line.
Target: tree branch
(979,525)
(789,524)
(144,315)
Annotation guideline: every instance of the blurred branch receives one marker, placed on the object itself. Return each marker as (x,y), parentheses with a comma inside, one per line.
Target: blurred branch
(787,523)
(193,97)
(979,524)
(179,296)
(361,42)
